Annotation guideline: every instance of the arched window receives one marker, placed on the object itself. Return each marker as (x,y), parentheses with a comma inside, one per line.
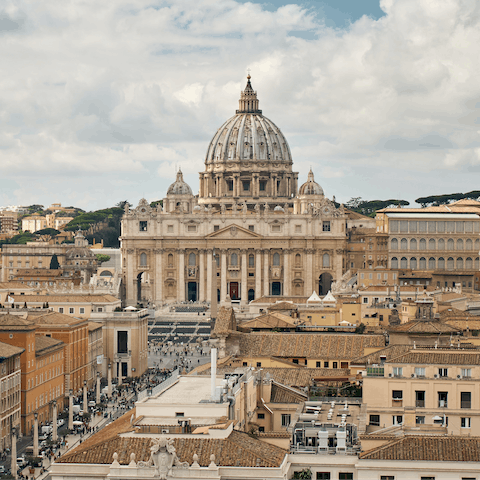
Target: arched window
(431,244)
(170,260)
(143,259)
(450,263)
(477,244)
(469,263)
(413,263)
(460,263)
(394,244)
(431,263)
(403,244)
(394,262)
(441,263)
(450,244)
(469,244)
(423,244)
(192,259)
(234,260)
(441,244)
(403,263)
(459,244)
(251,260)
(423,263)
(413,244)
(217,260)
(326,260)
(298,260)
(276,259)
(476,264)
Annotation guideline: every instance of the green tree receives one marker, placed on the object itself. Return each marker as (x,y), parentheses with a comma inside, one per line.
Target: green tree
(101,257)
(54,265)
(48,231)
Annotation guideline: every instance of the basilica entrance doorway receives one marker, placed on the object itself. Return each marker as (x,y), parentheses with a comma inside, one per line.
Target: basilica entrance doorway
(276,288)
(192,291)
(234,290)
(251,295)
(324,283)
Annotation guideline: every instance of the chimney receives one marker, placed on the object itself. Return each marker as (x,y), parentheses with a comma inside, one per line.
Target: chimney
(213,374)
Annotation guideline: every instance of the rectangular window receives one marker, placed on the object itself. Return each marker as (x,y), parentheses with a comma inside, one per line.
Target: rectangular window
(431,227)
(60,309)
(169,228)
(325,364)
(276,228)
(323,476)
(216,228)
(82,309)
(71,310)
(465,400)
(440,227)
(122,341)
(191,228)
(422,226)
(398,371)
(261,429)
(262,185)
(335,365)
(393,226)
(420,398)
(319,364)
(420,371)
(345,476)
(326,226)
(397,419)
(260,416)
(443,372)
(466,372)
(412,226)
(286,419)
(387,477)
(375,420)
(179,414)
(246,186)
(465,422)
(251,228)
(397,394)
(420,420)
(443,399)
(230,185)
(403,226)
(298,229)
(143,225)
(259,364)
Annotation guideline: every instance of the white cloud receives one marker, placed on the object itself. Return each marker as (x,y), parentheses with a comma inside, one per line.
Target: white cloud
(101,101)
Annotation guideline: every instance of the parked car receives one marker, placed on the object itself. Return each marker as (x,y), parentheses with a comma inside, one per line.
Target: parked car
(21,462)
(2,469)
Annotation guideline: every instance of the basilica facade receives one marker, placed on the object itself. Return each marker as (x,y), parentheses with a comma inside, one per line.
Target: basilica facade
(250,232)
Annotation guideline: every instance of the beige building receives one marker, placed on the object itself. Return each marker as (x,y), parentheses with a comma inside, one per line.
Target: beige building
(250,232)
(443,240)
(423,386)
(95,351)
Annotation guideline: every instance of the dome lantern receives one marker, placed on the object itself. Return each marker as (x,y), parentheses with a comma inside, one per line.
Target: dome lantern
(248,102)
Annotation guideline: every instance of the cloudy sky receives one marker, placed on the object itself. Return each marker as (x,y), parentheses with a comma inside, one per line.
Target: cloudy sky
(102,101)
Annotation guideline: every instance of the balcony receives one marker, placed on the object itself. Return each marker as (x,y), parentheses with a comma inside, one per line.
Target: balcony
(375,372)
(420,403)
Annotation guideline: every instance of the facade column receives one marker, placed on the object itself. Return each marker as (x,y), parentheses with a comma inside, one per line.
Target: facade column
(97,390)
(109,380)
(244,290)
(258,274)
(211,260)
(201,284)
(131,281)
(181,276)
(158,252)
(35,434)
(70,409)
(85,397)
(266,272)
(13,452)
(210,275)
(223,277)
(310,266)
(54,421)
(286,273)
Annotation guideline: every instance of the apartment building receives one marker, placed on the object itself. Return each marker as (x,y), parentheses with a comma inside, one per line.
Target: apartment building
(423,386)
(42,368)
(10,392)
(95,351)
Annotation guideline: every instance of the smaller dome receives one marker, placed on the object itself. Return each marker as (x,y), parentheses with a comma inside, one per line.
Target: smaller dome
(179,187)
(278,208)
(311,187)
(197,208)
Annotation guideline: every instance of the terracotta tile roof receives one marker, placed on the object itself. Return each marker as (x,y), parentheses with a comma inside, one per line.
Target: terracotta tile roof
(282,394)
(44,345)
(439,357)
(238,449)
(302,377)
(7,351)
(225,322)
(94,326)
(457,314)
(40,272)
(282,306)
(15,322)
(276,299)
(14,285)
(392,351)
(269,321)
(428,448)
(422,326)
(466,324)
(56,318)
(308,345)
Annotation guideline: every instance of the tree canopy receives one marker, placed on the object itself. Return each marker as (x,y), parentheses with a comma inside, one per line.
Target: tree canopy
(102,257)
(369,207)
(446,198)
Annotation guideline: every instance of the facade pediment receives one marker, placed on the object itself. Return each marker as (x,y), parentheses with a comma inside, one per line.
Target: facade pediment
(234,231)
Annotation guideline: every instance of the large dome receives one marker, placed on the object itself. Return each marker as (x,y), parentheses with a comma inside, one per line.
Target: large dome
(248,135)
(310,187)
